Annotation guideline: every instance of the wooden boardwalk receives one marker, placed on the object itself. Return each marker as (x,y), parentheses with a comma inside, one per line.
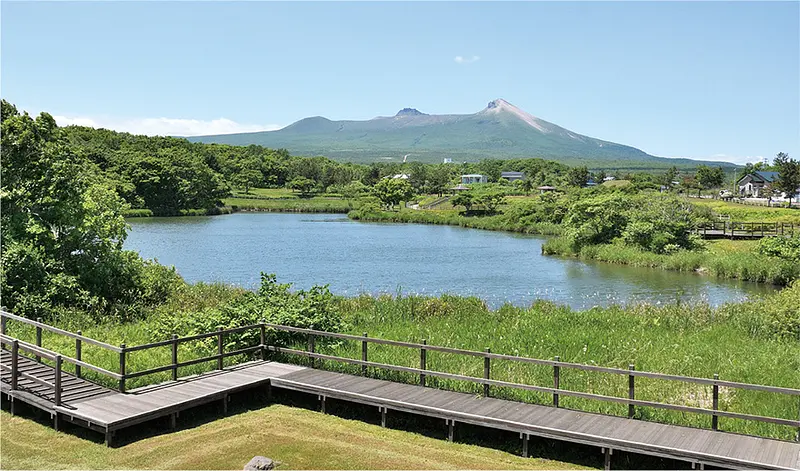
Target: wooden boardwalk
(107,411)
(69,397)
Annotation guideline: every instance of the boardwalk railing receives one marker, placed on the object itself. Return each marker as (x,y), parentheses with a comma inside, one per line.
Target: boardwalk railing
(18,347)
(557,366)
(262,348)
(747,229)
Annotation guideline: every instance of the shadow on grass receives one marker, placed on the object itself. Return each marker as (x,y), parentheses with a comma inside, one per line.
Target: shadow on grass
(255,399)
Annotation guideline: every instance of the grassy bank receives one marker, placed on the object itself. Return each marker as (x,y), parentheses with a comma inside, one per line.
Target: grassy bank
(723,259)
(298,438)
(316,204)
(498,222)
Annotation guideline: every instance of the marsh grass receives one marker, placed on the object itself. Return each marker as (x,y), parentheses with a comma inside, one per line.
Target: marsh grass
(719,261)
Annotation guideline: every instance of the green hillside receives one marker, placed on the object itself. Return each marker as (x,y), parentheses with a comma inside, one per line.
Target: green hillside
(500,130)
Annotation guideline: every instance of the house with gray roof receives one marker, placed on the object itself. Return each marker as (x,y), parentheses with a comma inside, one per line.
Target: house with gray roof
(753,184)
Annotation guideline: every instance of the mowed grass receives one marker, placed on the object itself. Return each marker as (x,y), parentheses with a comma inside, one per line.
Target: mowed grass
(297,438)
(745,213)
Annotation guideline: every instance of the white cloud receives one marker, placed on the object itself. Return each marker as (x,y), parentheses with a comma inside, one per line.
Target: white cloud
(166,126)
(737,159)
(466,60)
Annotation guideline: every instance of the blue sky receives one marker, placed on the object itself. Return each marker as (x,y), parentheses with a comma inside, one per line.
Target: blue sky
(676,79)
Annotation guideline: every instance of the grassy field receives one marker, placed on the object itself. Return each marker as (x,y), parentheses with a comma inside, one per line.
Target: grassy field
(297,438)
(316,204)
(745,213)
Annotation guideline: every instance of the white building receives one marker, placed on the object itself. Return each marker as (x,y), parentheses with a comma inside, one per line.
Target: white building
(473,178)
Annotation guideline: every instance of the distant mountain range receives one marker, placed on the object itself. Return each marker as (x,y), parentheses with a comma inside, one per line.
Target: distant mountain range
(501,130)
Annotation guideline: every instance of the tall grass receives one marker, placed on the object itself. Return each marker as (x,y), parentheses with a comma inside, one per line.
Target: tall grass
(755,341)
(748,266)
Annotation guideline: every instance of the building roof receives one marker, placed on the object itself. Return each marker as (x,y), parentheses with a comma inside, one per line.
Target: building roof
(546,188)
(460,187)
(512,174)
(768,176)
(473,175)
(764,177)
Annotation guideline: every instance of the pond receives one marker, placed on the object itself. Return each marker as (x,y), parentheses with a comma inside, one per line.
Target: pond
(357,257)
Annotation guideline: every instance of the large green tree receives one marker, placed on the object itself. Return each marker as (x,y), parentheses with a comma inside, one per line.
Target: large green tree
(709,177)
(788,175)
(391,191)
(63,228)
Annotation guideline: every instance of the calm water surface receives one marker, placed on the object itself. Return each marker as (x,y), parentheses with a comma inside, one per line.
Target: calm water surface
(355,257)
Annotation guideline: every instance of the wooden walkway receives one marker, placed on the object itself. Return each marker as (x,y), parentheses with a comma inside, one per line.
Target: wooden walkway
(107,411)
(69,397)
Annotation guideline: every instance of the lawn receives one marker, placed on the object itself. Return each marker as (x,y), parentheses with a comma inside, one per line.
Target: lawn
(745,213)
(297,438)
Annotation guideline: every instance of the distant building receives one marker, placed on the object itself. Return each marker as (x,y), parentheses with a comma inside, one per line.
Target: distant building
(512,176)
(753,184)
(448,160)
(399,176)
(545,189)
(473,178)
(609,178)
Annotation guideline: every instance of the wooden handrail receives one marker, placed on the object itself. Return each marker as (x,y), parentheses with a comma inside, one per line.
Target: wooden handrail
(578,366)
(562,392)
(56,330)
(51,355)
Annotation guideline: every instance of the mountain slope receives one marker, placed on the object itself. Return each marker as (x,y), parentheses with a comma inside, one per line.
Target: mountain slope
(501,130)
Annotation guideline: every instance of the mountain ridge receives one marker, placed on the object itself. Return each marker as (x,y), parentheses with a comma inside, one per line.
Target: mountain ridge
(500,130)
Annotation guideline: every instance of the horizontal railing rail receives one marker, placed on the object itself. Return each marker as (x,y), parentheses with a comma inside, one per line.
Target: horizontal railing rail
(557,366)
(40,325)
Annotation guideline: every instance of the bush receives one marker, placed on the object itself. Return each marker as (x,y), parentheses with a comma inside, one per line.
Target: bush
(787,248)
(273,302)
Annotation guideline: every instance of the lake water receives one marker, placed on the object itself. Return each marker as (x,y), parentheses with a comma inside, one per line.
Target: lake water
(356,257)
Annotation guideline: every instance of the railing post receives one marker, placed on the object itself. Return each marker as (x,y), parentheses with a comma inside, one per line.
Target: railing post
(122,368)
(556,380)
(486,372)
(78,354)
(219,348)
(3,321)
(14,363)
(631,393)
(311,349)
(715,403)
(38,338)
(263,334)
(423,361)
(57,382)
(364,344)
(174,357)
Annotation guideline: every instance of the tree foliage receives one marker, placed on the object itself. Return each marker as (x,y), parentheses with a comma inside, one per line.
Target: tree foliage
(63,229)
(391,191)
(788,175)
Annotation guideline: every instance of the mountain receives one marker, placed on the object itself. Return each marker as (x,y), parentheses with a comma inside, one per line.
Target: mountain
(501,130)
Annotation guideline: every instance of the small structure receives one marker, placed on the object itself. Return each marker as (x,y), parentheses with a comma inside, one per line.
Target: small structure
(512,176)
(458,188)
(609,178)
(399,176)
(473,178)
(448,160)
(546,189)
(753,184)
